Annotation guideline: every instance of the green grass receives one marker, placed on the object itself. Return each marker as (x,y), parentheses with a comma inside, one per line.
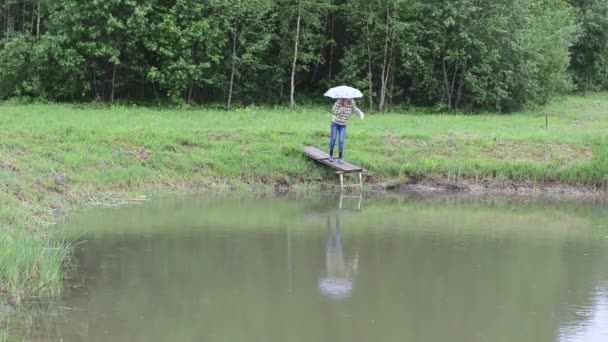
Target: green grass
(54,157)
(131,147)
(30,264)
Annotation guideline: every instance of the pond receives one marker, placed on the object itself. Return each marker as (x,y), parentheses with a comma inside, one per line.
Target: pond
(302,269)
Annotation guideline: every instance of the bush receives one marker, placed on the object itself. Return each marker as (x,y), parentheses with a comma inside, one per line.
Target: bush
(17,76)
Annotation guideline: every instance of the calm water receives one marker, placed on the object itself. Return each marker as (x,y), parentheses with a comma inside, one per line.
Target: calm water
(398,269)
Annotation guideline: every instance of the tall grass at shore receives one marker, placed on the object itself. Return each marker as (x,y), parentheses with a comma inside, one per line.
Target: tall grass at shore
(29,265)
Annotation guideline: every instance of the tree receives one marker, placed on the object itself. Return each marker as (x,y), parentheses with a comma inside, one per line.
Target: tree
(16,67)
(482,54)
(105,33)
(384,33)
(249,38)
(299,36)
(497,54)
(295,56)
(188,45)
(589,61)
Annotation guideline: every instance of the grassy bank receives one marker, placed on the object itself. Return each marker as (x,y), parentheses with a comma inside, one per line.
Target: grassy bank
(55,157)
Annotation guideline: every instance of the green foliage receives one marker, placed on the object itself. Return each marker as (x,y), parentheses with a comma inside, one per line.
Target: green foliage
(589,64)
(491,55)
(188,44)
(483,54)
(105,35)
(249,37)
(59,69)
(17,74)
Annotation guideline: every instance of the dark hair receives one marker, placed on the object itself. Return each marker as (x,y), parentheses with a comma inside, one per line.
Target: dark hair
(345,102)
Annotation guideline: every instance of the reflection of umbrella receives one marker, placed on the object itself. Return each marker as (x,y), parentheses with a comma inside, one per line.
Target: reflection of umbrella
(343,92)
(336,288)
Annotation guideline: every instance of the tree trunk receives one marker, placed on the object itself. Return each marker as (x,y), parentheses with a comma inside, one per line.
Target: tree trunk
(384,64)
(23,30)
(9,21)
(392,83)
(452,91)
(316,69)
(369,65)
(33,23)
(190,91)
(446,84)
(295,59)
(191,82)
(155,93)
(331,48)
(389,71)
(113,83)
(233,68)
(95,87)
(321,52)
(38,22)
(460,83)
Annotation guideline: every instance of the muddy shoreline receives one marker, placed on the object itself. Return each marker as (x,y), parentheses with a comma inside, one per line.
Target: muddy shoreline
(507,189)
(553,191)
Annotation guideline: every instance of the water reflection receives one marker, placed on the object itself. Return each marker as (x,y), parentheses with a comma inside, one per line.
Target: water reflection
(339,278)
(344,198)
(594,324)
(287,270)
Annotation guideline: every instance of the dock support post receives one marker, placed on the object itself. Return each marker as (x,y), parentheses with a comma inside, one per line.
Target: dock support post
(361,180)
(341,181)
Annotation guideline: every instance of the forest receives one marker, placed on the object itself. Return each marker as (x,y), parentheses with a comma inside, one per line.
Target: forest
(496,55)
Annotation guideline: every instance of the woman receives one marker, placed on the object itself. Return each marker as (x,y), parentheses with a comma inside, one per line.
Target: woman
(341,110)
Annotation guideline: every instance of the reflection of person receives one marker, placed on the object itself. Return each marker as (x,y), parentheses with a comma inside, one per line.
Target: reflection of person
(338,282)
(342,110)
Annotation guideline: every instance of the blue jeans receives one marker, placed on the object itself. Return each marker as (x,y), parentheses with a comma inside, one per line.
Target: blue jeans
(333,241)
(335,131)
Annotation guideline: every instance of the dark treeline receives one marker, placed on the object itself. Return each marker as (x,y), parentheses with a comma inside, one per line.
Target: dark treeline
(482,54)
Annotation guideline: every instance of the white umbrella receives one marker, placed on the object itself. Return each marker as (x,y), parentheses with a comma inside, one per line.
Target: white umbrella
(343,92)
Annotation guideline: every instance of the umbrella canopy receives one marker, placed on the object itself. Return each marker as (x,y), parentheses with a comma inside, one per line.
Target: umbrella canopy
(343,92)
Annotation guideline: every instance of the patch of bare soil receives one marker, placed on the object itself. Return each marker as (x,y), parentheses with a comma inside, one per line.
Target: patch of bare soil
(9,167)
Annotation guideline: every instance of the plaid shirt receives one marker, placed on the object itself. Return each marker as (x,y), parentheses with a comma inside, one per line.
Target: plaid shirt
(343,113)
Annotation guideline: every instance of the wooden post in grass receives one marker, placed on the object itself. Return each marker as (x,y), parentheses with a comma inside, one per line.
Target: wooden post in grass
(546,120)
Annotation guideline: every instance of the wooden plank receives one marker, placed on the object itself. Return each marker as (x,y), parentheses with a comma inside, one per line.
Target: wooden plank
(347,167)
(323,157)
(315,153)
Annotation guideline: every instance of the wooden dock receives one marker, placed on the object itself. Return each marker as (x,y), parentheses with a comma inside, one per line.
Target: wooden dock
(341,169)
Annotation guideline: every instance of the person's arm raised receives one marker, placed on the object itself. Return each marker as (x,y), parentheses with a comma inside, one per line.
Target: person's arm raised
(359,112)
